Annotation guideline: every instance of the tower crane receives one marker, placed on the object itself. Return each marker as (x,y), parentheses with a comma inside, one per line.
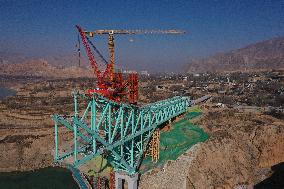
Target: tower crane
(110,83)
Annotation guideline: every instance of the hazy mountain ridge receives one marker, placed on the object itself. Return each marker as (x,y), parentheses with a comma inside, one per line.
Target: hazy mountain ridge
(11,58)
(267,54)
(66,60)
(64,66)
(41,68)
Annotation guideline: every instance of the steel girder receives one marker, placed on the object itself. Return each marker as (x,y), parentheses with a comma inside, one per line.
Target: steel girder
(118,131)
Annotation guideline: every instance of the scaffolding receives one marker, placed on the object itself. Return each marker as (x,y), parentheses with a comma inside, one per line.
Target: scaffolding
(153,149)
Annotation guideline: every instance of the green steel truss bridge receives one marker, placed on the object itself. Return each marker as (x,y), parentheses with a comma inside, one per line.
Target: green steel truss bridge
(117,131)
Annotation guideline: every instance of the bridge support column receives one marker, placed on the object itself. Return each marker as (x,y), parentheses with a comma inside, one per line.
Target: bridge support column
(132,181)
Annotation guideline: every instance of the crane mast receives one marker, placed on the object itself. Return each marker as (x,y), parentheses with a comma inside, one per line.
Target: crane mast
(111,54)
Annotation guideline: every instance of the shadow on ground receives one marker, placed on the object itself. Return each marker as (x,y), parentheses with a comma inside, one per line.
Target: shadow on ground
(275,181)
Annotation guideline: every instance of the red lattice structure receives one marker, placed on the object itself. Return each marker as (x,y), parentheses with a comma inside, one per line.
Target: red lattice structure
(109,83)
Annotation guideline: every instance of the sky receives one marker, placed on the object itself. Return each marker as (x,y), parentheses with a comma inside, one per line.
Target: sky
(43,28)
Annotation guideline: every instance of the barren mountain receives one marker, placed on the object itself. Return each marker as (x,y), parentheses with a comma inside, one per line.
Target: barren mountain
(12,58)
(42,68)
(263,55)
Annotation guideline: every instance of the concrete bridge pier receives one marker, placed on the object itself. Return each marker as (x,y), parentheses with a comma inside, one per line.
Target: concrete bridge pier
(132,181)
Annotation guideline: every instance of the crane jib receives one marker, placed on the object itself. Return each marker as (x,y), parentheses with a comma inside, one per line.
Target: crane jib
(91,57)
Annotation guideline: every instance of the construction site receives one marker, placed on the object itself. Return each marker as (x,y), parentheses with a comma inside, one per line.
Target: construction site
(119,129)
(111,138)
(110,128)
(141,95)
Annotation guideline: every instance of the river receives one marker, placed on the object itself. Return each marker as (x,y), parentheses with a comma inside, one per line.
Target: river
(45,178)
(4,92)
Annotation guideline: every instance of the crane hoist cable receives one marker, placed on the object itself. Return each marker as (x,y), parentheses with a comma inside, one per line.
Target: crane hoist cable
(79,50)
(97,51)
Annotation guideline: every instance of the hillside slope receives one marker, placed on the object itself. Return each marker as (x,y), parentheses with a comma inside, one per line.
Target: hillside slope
(263,55)
(42,68)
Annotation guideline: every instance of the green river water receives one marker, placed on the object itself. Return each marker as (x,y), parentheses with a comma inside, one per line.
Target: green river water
(45,178)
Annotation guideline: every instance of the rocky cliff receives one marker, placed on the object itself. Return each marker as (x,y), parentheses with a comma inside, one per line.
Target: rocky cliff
(239,153)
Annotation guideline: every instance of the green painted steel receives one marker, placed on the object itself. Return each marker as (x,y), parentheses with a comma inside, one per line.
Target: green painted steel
(118,131)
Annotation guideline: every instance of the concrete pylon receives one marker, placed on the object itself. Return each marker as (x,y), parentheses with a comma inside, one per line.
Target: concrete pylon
(132,181)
